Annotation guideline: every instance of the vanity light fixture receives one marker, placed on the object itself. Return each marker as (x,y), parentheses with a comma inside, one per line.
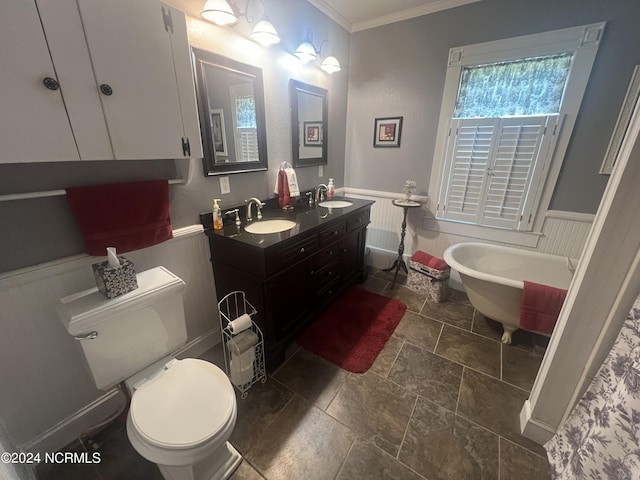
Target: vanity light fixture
(330,65)
(227,12)
(307,53)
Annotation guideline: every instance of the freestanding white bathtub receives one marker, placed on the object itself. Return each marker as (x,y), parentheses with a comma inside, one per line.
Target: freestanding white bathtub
(493,278)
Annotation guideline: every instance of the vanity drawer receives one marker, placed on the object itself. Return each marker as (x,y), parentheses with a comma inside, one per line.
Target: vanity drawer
(327,283)
(328,254)
(327,274)
(335,232)
(286,256)
(358,220)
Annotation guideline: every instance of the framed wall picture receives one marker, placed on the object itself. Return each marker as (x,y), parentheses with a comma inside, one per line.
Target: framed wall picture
(312,134)
(387,132)
(218,132)
(629,103)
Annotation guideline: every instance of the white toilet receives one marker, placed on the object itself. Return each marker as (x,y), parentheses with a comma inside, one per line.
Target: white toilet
(182,412)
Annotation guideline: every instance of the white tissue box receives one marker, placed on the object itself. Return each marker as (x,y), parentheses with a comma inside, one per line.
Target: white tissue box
(115,281)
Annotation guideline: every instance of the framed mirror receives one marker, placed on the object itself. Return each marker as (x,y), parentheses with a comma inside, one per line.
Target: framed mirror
(230,98)
(308,124)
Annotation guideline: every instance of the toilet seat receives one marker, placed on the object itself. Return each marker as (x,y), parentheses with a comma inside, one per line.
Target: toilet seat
(186,404)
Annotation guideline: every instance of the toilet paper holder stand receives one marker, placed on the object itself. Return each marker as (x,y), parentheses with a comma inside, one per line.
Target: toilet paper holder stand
(231,307)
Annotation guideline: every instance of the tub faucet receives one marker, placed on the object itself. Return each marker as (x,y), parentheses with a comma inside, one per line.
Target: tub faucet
(259,206)
(319,195)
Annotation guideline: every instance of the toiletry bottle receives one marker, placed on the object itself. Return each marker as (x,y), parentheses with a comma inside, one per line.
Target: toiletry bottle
(217,218)
(330,189)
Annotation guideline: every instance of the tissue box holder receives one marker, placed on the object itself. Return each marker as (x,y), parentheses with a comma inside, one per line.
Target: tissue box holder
(428,281)
(115,281)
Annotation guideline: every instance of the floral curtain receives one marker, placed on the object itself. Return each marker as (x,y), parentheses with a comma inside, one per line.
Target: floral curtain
(531,86)
(601,437)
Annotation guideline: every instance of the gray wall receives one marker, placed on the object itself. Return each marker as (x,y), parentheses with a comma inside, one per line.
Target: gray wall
(399,70)
(35,231)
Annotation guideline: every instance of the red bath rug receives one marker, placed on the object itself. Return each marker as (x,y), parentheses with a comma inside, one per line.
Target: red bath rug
(352,332)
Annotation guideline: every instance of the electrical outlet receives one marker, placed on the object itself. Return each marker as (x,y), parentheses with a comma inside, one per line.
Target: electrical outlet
(224,185)
(320,170)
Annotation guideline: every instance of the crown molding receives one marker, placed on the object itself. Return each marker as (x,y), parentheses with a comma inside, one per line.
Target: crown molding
(431,7)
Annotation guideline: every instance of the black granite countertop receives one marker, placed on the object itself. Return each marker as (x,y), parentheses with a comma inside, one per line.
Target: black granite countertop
(305,216)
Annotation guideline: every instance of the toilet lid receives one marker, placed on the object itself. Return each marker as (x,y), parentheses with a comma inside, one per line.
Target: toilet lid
(183,405)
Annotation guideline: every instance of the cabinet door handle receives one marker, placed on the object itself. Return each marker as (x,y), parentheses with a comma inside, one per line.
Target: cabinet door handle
(50,83)
(106,89)
(335,232)
(302,250)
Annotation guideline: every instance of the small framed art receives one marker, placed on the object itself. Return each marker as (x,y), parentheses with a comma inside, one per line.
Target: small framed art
(387,132)
(313,134)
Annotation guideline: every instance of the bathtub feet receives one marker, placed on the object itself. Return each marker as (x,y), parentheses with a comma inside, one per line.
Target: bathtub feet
(506,336)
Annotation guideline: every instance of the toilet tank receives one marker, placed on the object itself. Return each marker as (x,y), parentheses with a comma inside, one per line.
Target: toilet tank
(130,331)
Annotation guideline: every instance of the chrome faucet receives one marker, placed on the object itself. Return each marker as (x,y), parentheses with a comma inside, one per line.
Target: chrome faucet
(259,206)
(319,195)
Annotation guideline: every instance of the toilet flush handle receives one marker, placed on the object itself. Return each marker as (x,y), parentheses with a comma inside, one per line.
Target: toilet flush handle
(87,336)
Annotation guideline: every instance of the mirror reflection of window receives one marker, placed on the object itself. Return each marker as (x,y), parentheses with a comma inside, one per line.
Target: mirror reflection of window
(244,122)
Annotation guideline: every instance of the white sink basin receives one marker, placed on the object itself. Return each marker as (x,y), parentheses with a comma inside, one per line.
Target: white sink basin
(335,204)
(270,226)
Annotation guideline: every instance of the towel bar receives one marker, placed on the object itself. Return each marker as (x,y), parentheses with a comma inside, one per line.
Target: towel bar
(185,180)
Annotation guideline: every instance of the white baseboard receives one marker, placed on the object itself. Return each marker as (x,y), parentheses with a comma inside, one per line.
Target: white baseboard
(72,427)
(532,428)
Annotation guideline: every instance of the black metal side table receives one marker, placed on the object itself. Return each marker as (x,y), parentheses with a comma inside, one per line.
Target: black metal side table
(399,263)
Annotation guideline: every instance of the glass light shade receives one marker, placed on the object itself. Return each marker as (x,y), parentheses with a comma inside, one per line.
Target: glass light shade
(265,34)
(219,12)
(331,65)
(306,52)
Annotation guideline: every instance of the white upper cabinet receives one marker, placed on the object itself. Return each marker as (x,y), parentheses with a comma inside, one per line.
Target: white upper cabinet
(33,121)
(125,78)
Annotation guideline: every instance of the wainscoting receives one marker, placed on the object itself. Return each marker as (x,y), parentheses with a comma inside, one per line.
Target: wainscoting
(563,233)
(47,394)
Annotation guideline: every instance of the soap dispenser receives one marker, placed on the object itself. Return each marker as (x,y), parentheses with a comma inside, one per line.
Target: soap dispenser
(217,218)
(330,189)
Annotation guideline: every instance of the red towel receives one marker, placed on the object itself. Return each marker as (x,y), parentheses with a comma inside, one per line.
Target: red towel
(284,197)
(430,261)
(540,307)
(128,216)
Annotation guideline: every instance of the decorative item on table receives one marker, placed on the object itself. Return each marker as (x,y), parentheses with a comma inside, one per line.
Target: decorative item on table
(409,188)
(116,276)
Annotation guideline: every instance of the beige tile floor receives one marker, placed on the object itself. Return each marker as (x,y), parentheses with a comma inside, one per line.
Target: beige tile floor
(441,402)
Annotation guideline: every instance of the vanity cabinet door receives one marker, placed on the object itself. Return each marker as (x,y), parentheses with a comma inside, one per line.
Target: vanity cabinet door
(35,126)
(352,253)
(289,298)
(133,62)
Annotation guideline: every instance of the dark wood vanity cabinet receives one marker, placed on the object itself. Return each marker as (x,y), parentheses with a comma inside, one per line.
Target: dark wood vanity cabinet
(291,281)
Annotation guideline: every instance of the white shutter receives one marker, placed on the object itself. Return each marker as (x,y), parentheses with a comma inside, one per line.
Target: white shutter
(247,145)
(492,166)
(517,150)
(469,152)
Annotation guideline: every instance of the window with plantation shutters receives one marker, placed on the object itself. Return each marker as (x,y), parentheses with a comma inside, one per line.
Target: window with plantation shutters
(493,169)
(508,110)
